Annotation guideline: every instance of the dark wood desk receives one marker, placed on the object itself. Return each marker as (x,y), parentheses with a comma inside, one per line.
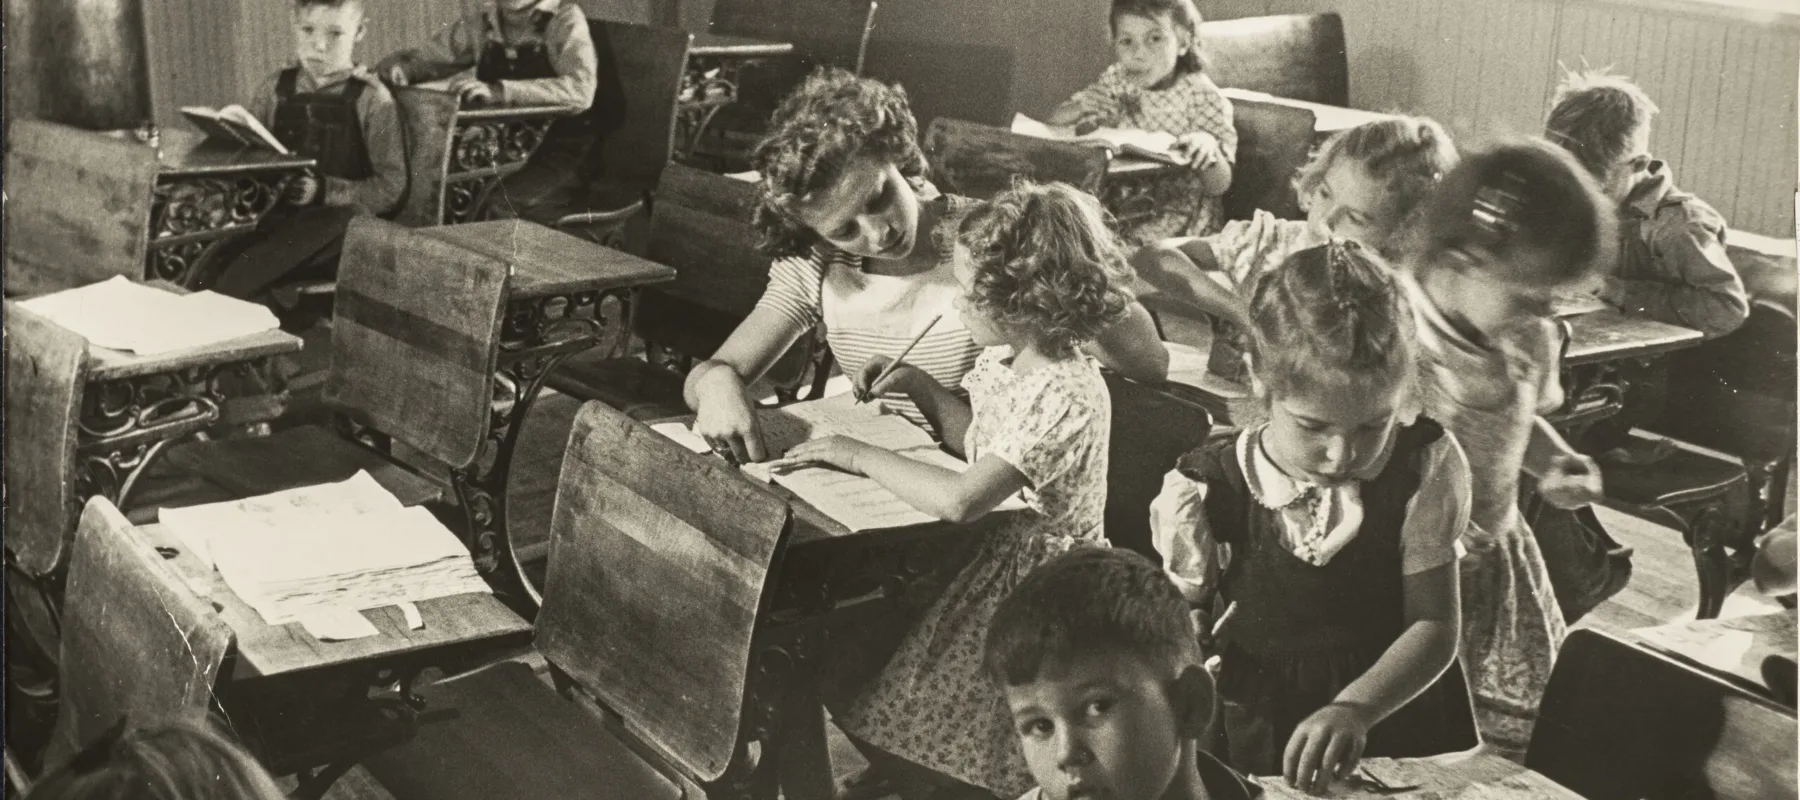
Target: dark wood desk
(1447,775)
(1600,347)
(1327,119)
(207,193)
(716,63)
(1731,648)
(565,295)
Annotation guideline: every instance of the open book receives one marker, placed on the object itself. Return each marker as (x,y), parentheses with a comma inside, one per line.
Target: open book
(1153,145)
(233,125)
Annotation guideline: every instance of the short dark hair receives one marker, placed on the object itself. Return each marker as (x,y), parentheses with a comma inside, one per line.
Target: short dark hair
(360,5)
(1518,197)
(1182,14)
(1594,114)
(832,118)
(1089,600)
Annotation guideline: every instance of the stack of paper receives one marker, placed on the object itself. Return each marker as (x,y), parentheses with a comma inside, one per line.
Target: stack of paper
(1153,145)
(324,550)
(856,502)
(121,315)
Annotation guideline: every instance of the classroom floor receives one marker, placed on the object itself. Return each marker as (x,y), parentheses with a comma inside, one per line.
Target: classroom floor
(1662,590)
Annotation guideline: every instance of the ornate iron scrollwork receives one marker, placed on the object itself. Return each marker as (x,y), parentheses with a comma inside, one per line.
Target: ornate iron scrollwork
(482,151)
(1128,197)
(190,214)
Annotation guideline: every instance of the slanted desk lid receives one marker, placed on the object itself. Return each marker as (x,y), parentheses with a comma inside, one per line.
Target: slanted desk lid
(659,560)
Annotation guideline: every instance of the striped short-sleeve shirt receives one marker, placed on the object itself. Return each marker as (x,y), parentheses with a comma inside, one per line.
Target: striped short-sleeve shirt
(866,315)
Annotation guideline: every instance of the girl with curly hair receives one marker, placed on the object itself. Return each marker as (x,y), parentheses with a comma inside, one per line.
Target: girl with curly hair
(1331,526)
(1038,274)
(862,248)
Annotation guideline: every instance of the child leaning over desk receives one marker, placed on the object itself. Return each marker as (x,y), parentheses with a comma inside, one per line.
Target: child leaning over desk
(328,108)
(1040,274)
(524,53)
(1159,83)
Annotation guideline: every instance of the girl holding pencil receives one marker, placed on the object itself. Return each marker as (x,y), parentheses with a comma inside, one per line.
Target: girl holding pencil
(860,240)
(1038,274)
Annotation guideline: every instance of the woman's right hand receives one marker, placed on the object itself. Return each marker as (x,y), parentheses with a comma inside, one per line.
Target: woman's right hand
(726,420)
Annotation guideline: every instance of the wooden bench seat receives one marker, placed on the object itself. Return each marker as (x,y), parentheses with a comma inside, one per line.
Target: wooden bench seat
(296,457)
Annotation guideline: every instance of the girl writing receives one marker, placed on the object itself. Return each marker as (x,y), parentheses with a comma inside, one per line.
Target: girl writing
(1158,83)
(1509,230)
(1328,532)
(1039,273)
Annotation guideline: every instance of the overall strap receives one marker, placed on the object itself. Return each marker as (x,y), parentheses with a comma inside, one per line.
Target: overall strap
(285,83)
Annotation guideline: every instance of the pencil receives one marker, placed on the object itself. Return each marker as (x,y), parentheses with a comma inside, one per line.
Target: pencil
(866,395)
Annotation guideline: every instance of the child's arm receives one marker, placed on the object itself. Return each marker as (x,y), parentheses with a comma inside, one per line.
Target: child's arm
(1094,106)
(380,120)
(1178,274)
(1698,287)
(571,49)
(948,414)
(1330,741)
(945,494)
(1566,479)
(1181,535)
(452,49)
(1131,348)
(1213,141)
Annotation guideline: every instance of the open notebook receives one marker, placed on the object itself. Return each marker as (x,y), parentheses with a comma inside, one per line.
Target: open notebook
(1153,145)
(233,125)
(858,503)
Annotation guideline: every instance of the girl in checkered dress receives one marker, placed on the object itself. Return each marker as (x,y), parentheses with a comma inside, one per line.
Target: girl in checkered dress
(1158,83)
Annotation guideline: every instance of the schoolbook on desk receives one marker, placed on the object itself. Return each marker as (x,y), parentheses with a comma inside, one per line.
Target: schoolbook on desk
(319,554)
(1153,145)
(233,125)
(120,314)
(856,502)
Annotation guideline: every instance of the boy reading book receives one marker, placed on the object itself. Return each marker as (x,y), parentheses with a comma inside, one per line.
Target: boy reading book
(525,53)
(327,108)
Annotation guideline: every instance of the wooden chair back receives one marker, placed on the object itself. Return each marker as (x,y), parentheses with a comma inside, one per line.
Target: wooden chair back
(701,227)
(1622,722)
(976,160)
(1151,430)
(640,82)
(428,121)
(833,32)
(137,641)
(46,370)
(77,207)
(1274,142)
(1300,56)
(417,337)
(658,563)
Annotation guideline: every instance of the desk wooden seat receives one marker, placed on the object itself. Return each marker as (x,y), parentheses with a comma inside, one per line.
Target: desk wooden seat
(1622,722)
(1151,429)
(456,156)
(648,610)
(979,161)
(1301,56)
(296,457)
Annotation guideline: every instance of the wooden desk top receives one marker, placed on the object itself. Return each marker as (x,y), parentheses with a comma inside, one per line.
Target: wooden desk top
(266,650)
(1326,119)
(1132,166)
(183,153)
(1608,335)
(548,262)
(1734,648)
(511,112)
(1444,775)
(104,364)
(726,46)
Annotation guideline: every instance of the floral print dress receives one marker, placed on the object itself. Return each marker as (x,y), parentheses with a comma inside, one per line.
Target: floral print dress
(1190,102)
(932,704)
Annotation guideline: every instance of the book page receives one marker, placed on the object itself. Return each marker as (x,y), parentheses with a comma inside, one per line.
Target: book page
(239,115)
(198,527)
(1156,145)
(119,314)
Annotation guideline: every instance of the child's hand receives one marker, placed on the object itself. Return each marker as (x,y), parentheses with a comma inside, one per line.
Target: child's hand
(301,191)
(475,92)
(1199,147)
(835,451)
(1325,746)
(902,379)
(396,75)
(1573,481)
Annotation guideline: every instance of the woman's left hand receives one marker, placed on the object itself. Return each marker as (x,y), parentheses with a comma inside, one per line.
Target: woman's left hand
(1325,746)
(836,451)
(1200,148)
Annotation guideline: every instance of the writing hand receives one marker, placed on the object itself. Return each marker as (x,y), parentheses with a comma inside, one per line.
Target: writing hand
(900,380)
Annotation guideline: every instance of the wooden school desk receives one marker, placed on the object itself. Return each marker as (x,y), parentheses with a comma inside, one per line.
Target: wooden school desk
(564,295)
(455,156)
(715,63)
(308,704)
(1327,119)
(1598,343)
(1734,649)
(84,206)
(834,605)
(1478,772)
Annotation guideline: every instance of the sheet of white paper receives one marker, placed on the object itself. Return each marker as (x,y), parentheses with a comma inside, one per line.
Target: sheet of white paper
(337,625)
(414,620)
(683,435)
(121,315)
(196,527)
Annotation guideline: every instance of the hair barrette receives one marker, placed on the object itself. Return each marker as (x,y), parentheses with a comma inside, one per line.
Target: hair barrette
(1497,206)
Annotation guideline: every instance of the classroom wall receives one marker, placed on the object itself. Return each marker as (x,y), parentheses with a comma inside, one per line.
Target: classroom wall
(1726,79)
